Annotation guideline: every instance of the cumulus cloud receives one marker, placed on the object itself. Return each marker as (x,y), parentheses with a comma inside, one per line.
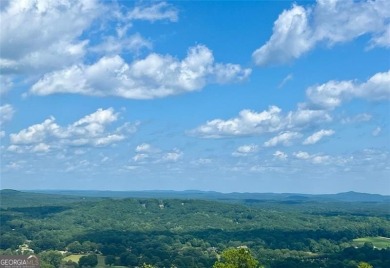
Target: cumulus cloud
(301,155)
(31,48)
(317,136)
(313,158)
(146,153)
(303,117)
(333,93)
(300,29)
(247,123)
(91,130)
(172,156)
(6,113)
(155,76)
(140,157)
(284,138)
(280,155)
(144,148)
(41,147)
(245,150)
(256,123)
(321,99)
(63,43)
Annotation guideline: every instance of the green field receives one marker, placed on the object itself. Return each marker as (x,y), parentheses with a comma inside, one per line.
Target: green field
(378,242)
(74,257)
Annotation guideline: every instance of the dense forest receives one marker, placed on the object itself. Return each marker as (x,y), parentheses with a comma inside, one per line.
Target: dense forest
(170,232)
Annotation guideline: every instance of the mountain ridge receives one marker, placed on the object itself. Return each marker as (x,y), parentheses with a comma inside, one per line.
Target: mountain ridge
(350,196)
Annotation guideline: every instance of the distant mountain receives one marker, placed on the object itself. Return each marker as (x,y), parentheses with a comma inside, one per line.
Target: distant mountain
(210,195)
(14,198)
(357,197)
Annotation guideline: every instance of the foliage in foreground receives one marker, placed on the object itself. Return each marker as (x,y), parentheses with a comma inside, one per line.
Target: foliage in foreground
(236,258)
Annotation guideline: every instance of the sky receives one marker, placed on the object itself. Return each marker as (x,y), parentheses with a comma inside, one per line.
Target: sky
(228,96)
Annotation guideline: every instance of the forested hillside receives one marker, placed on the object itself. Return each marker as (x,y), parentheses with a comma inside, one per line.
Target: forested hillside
(192,233)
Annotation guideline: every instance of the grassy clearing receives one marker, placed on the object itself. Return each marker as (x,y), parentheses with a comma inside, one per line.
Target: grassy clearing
(101,258)
(74,257)
(378,242)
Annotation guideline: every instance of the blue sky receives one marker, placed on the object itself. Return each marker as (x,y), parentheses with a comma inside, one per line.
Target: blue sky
(230,96)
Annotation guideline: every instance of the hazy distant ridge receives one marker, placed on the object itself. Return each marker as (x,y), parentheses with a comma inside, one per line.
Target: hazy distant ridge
(210,195)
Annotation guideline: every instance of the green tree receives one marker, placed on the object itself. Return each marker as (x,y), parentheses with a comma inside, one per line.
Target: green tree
(236,258)
(75,247)
(110,260)
(51,257)
(364,265)
(69,264)
(11,240)
(88,261)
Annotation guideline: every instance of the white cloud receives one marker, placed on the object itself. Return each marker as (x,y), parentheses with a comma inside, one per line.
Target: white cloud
(256,123)
(172,156)
(300,29)
(320,159)
(246,150)
(291,38)
(155,76)
(58,45)
(144,148)
(36,133)
(110,139)
(363,117)
(321,99)
(116,45)
(6,113)
(148,154)
(159,11)
(280,155)
(91,130)
(140,157)
(333,93)
(247,123)
(99,118)
(303,117)
(317,136)
(315,159)
(6,84)
(284,138)
(41,148)
(61,25)
(2,134)
(301,155)
(16,149)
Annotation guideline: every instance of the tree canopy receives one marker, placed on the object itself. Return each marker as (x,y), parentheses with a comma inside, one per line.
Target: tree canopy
(236,258)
